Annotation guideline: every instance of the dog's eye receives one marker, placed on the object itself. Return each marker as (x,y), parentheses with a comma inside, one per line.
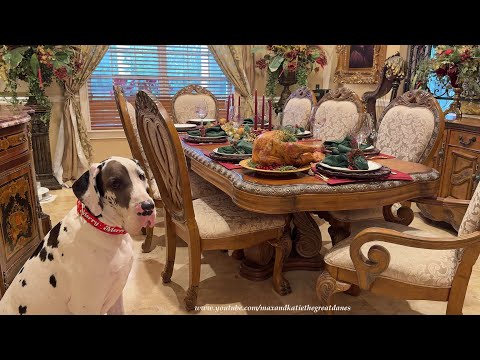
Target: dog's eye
(115,183)
(142,177)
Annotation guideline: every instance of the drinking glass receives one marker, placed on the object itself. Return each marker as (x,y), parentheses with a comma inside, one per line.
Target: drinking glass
(201,110)
(234,116)
(365,128)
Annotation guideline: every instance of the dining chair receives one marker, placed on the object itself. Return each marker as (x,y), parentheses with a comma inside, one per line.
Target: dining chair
(200,187)
(402,262)
(336,114)
(185,100)
(126,112)
(210,223)
(410,128)
(298,108)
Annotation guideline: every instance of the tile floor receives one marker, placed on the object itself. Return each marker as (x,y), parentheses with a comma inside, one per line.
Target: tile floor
(223,291)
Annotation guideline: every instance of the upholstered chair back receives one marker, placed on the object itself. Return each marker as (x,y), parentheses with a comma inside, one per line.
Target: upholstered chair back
(411,127)
(186,99)
(336,113)
(471,220)
(298,108)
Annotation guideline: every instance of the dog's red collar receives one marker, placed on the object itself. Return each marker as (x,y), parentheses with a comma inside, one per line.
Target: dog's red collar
(96,223)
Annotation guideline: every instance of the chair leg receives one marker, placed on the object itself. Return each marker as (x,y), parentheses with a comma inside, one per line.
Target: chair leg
(283,246)
(194,255)
(148,245)
(171,248)
(326,287)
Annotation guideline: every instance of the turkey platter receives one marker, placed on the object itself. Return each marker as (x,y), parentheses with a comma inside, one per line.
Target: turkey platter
(279,148)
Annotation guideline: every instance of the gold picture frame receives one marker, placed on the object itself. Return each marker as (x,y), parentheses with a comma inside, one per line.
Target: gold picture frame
(359,64)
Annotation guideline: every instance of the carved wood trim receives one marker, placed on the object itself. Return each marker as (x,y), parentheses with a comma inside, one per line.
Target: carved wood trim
(301,93)
(193,90)
(309,238)
(421,98)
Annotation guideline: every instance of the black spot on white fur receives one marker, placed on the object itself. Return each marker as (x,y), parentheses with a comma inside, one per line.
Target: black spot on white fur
(65,228)
(21,270)
(22,310)
(24,283)
(53,236)
(62,254)
(50,257)
(43,254)
(53,281)
(37,250)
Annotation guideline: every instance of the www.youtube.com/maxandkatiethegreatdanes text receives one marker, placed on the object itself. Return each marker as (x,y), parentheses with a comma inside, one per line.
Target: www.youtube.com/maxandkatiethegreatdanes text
(279,308)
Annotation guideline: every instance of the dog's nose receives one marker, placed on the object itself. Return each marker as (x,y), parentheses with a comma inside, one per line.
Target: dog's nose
(147,205)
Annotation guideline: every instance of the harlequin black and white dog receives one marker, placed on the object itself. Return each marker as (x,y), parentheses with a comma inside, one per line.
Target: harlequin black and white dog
(83,263)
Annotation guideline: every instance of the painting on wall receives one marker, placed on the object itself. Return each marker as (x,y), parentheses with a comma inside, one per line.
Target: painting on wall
(359,64)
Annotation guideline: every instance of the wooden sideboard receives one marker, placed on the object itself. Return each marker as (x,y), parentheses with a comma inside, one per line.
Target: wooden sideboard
(458,160)
(20,231)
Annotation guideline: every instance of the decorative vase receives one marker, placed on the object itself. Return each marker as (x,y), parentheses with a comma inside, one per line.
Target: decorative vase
(286,80)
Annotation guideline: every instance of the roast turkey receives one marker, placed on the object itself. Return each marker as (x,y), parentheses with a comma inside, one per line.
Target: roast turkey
(274,148)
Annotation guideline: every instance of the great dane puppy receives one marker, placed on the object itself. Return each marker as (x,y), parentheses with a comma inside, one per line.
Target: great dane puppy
(83,263)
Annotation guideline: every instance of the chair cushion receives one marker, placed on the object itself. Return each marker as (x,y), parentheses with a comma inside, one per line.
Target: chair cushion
(184,107)
(409,265)
(406,132)
(217,216)
(297,112)
(336,119)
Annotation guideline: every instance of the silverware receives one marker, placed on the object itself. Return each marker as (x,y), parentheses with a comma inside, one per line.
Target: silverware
(393,173)
(323,177)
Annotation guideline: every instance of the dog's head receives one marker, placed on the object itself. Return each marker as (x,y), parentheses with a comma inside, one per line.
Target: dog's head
(115,190)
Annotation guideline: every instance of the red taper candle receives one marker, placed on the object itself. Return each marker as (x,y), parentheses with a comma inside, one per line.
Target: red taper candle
(263,112)
(239,118)
(256,110)
(269,114)
(228,108)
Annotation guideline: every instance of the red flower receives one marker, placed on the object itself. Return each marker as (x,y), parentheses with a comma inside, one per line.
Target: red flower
(261,64)
(61,73)
(448,51)
(321,60)
(441,72)
(292,66)
(290,55)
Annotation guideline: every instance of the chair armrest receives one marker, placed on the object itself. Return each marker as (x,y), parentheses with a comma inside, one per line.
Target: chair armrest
(444,202)
(379,257)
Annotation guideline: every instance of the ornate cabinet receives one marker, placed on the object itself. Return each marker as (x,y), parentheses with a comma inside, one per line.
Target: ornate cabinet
(459,163)
(20,230)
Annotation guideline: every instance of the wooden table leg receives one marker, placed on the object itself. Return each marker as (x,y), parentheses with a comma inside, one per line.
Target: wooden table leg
(305,254)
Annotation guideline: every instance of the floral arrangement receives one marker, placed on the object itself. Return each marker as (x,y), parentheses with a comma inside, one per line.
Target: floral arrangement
(282,59)
(245,133)
(38,65)
(456,66)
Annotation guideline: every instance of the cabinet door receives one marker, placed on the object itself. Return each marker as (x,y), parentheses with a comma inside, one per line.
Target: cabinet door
(19,230)
(460,169)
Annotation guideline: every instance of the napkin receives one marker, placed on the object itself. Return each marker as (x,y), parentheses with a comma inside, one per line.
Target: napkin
(210,132)
(342,146)
(341,160)
(243,147)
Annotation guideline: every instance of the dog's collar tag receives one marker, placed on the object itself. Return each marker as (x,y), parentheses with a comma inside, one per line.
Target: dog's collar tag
(96,223)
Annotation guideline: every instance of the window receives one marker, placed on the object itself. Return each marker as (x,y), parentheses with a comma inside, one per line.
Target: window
(161,69)
(441,93)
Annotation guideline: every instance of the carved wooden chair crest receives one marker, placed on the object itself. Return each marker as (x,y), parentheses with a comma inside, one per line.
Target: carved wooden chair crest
(405,263)
(184,101)
(298,108)
(210,223)
(337,113)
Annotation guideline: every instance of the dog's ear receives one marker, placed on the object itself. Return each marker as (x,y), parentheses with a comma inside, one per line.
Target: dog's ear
(85,189)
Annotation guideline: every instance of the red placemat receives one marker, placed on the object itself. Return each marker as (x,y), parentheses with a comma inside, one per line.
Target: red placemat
(203,144)
(336,181)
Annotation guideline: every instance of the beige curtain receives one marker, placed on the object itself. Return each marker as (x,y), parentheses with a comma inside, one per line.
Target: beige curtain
(236,62)
(74,151)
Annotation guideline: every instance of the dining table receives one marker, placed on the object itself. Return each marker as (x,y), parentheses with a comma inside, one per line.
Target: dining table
(301,196)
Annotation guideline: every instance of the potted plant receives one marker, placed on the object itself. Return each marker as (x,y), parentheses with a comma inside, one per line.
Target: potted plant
(457,67)
(38,66)
(288,65)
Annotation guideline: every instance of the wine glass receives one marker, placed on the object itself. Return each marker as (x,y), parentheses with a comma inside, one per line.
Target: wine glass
(234,116)
(201,110)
